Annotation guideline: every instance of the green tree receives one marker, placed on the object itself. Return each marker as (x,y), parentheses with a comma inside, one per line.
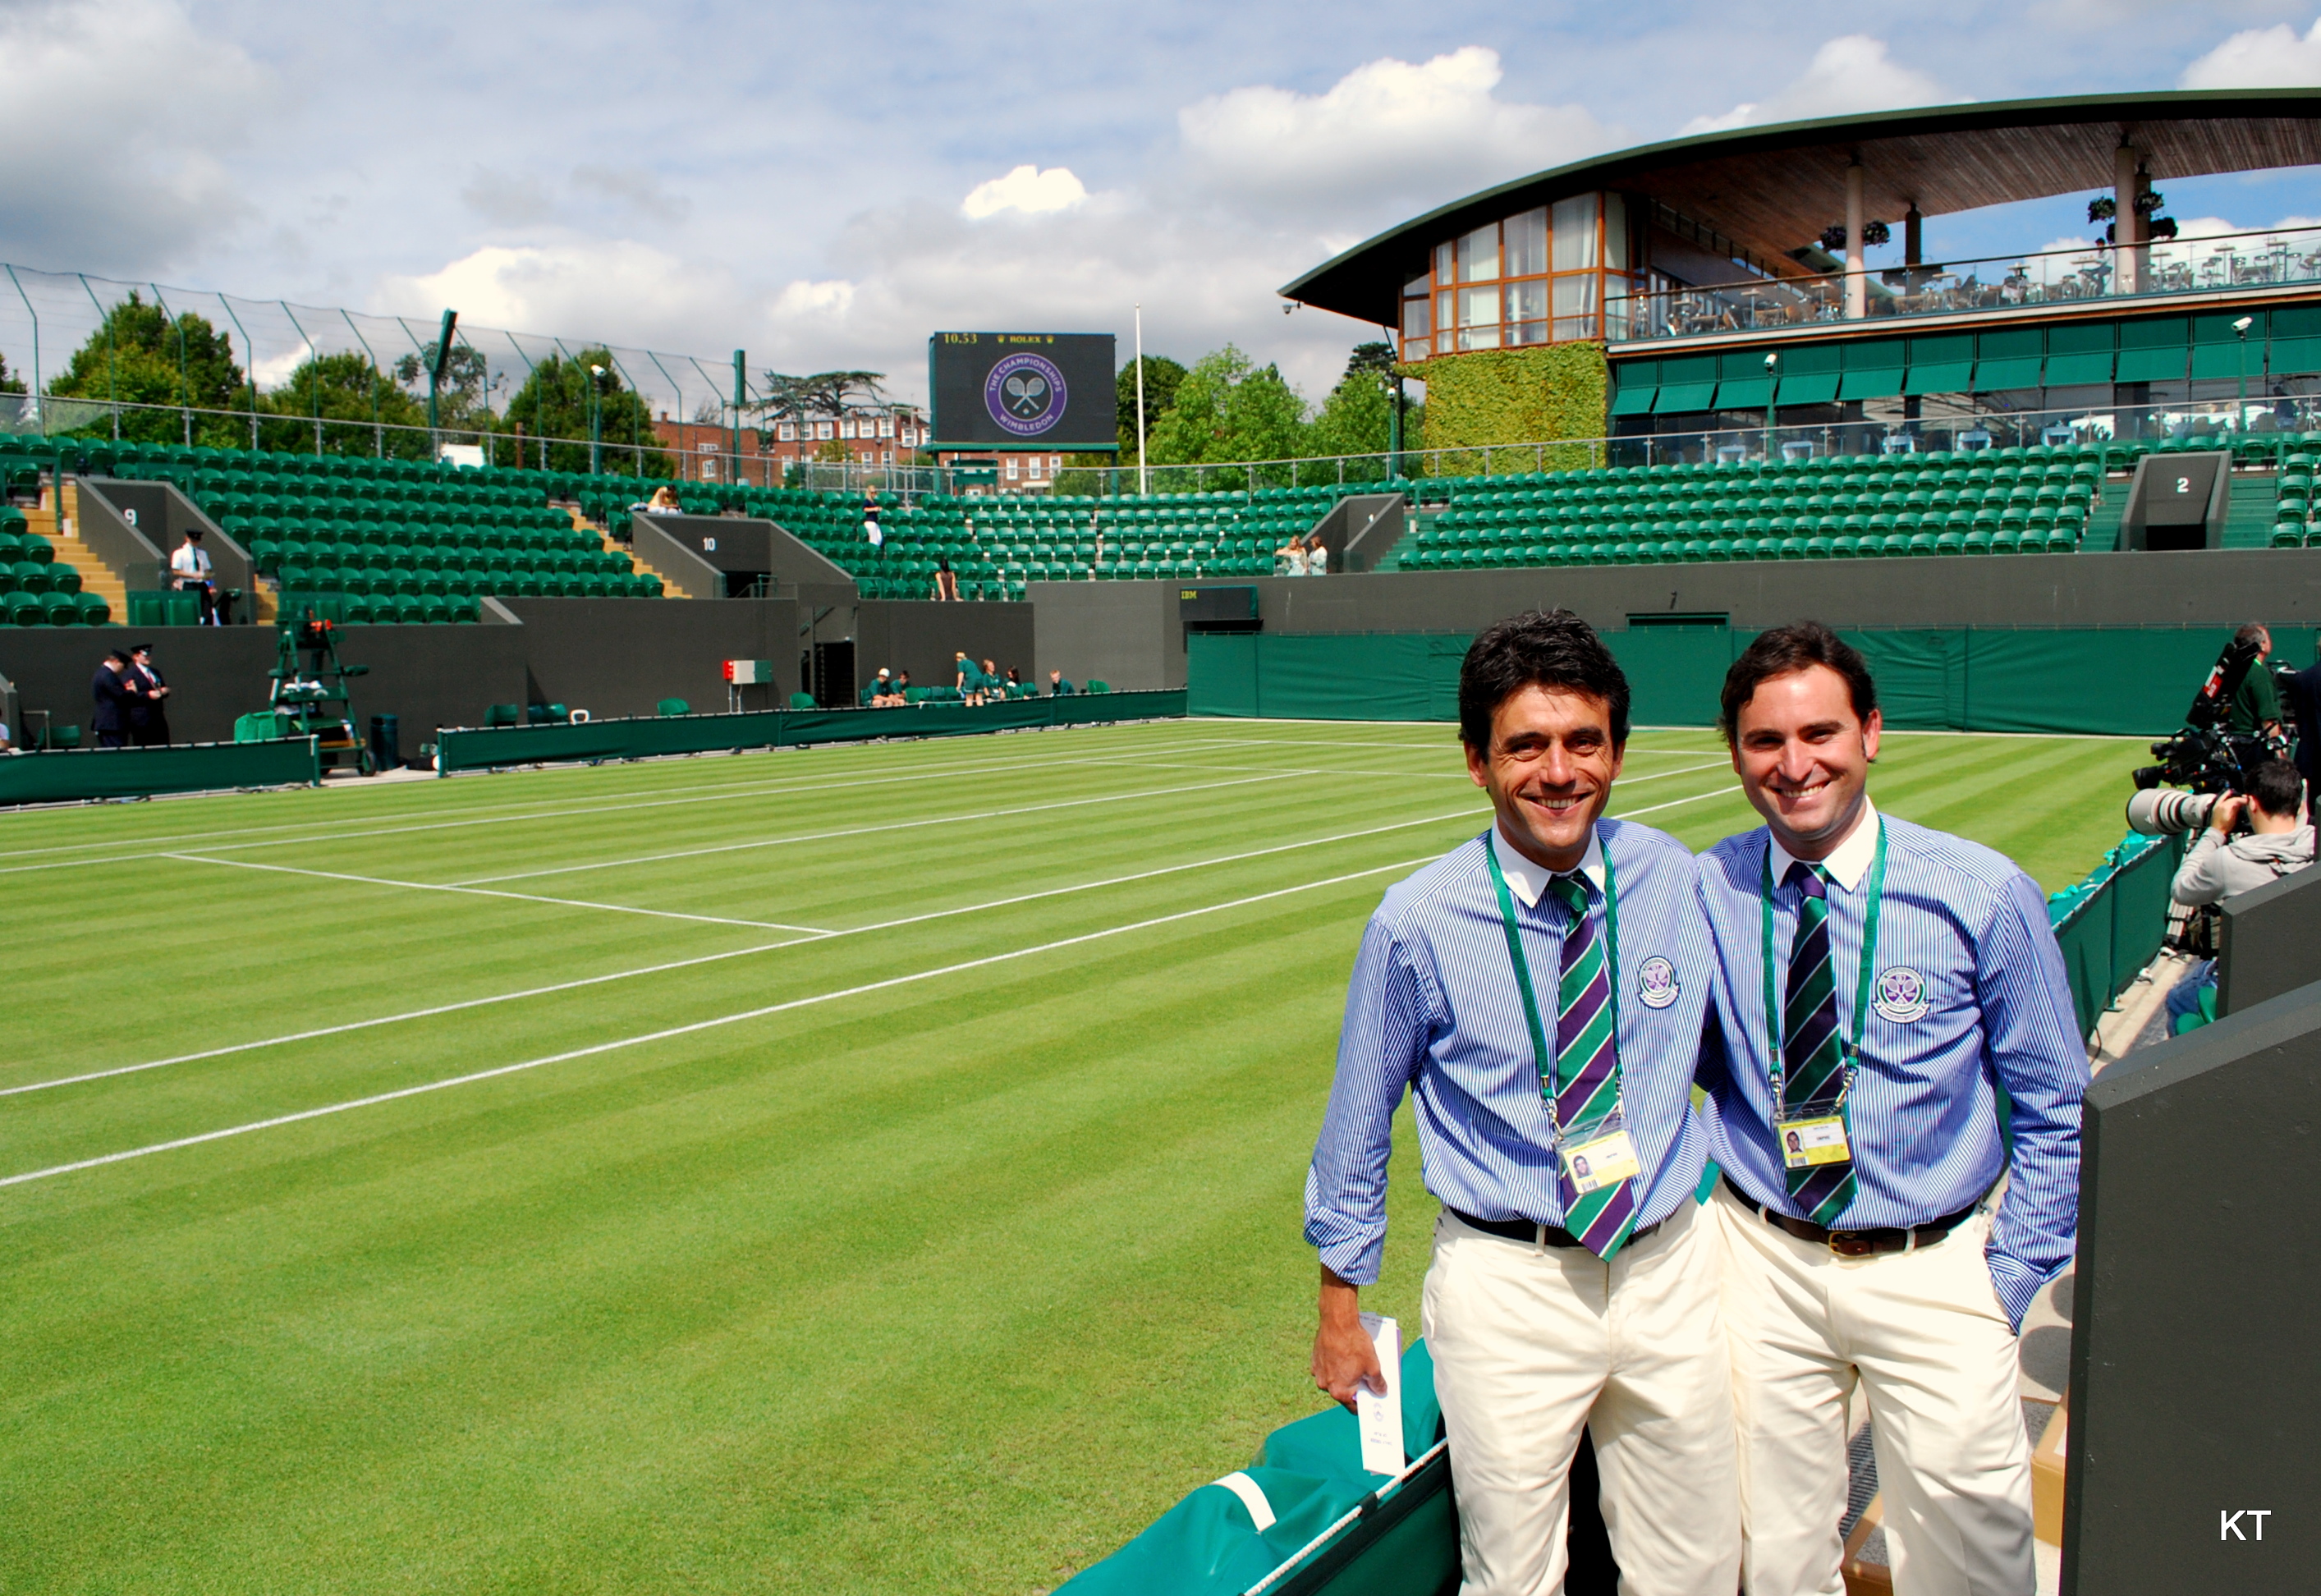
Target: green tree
(1161,376)
(140,356)
(344,388)
(10,383)
(1228,409)
(1358,417)
(553,403)
(463,400)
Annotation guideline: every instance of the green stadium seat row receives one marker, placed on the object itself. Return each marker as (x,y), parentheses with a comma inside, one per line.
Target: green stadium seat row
(20,608)
(1669,551)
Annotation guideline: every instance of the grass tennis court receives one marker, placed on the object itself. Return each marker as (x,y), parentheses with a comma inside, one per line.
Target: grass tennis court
(862,1169)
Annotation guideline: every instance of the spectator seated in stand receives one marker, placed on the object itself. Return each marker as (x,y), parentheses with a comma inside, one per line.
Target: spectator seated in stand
(900,694)
(663,502)
(877,688)
(1057,687)
(995,685)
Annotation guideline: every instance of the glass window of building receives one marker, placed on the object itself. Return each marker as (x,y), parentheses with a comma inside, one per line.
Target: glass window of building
(1417,320)
(1549,274)
(1479,255)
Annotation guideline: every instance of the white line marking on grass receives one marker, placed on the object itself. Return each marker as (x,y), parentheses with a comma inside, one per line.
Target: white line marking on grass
(529,809)
(856,831)
(697,1026)
(661,969)
(618,908)
(590,980)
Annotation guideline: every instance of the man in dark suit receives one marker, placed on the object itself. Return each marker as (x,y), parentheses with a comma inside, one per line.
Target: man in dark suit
(114,697)
(149,719)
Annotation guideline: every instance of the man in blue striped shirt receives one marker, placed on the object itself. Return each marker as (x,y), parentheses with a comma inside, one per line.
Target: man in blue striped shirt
(1878,985)
(1541,992)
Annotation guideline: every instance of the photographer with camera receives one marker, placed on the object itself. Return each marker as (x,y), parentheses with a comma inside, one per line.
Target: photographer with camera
(2279,842)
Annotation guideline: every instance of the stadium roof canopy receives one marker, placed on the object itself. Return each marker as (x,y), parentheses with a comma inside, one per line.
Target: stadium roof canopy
(1772,189)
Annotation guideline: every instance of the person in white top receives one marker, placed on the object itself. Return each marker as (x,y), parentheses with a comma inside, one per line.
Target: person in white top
(1291,558)
(1318,556)
(190,570)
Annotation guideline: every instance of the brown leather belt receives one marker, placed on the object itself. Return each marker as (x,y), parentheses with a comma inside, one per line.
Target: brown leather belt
(1857,1243)
(1533,1234)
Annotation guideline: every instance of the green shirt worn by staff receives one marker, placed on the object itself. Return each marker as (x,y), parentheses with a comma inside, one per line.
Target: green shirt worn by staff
(2255,703)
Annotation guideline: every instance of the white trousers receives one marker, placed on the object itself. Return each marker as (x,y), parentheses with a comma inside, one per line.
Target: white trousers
(1923,1334)
(1531,1343)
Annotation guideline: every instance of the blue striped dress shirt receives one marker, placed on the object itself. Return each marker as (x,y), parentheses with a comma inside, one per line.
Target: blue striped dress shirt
(1434,1007)
(1968,994)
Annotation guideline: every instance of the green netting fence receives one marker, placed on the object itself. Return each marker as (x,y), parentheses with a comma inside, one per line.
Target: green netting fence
(2125,681)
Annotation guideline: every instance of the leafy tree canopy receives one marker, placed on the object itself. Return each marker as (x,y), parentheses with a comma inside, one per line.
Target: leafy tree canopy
(463,400)
(553,403)
(342,388)
(1161,376)
(1228,409)
(139,355)
(826,394)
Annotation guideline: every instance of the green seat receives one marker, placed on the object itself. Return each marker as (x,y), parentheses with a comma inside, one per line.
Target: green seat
(2062,540)
(2288,534)
(1919,543)
(802,701)
(673,707)
(93,610)
(1950,542)
(60,610)
(24,609)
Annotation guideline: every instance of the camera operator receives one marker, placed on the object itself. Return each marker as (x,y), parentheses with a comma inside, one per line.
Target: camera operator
(2255,711)
(2219,865)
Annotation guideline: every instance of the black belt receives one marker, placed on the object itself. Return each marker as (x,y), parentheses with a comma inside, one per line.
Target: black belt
(1858,1244)
(1533,1234)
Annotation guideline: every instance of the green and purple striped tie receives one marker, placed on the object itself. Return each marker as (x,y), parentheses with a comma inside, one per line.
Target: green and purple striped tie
(1586,1072)
(1813,1053)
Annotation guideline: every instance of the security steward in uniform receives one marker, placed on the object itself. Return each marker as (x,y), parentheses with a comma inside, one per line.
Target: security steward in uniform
(1541,992)
(1878,983)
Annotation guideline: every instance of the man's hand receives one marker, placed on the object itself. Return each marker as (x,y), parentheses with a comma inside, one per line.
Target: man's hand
(1345,1359)
(2227,812)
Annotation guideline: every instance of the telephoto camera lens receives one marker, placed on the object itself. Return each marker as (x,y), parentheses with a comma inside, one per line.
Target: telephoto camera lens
(2160,811)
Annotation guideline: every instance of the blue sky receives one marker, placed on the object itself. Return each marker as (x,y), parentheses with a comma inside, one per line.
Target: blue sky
(825,184)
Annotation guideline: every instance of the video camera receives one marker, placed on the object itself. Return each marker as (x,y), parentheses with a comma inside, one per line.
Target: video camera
(2202,756)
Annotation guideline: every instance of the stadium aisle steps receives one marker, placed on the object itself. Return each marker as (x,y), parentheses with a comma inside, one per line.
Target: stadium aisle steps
(671,587)
(2249,511)
(95,575)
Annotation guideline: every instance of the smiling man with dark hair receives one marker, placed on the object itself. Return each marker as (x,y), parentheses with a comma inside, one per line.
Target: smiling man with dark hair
(1541,992)
(1878,985)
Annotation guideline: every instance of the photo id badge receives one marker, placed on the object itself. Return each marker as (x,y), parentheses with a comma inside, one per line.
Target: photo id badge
(1806,1142)
(1596,1155)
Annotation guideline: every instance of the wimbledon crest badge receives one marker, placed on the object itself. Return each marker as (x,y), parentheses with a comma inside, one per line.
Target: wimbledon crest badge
(1026,395)
(1656,984)
(1901,994)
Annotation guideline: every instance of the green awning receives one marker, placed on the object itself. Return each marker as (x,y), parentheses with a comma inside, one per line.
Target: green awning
(2294,348)
(1636,382)
(2009,357)
(1687,382)
(2155,349)
(1874,370)
(1941,364)
(1809,376)
(2080,353)
(1744,393)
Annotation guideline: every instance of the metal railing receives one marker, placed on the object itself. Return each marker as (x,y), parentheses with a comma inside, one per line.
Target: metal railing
(1996,282)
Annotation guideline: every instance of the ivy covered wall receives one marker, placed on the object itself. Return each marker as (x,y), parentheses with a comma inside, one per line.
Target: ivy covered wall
(1513,396)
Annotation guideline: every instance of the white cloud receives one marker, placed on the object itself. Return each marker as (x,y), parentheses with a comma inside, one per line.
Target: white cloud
(2277,56)
(1390,130)
(120,114)
(628,290)
(1027,189)
(1847,75)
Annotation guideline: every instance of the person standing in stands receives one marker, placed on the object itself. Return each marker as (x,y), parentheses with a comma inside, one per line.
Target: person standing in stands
(148,718)
(870,527)
(1290,558)
(1541,993)
(1318,556)
(190,570)
(1878,985)
(112,695)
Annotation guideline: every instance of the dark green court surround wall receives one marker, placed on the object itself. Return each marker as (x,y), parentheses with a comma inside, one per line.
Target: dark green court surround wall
(2128,681)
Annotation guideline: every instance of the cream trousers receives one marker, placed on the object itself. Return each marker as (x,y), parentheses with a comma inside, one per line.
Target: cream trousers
(1531,1343)
(1924,1334)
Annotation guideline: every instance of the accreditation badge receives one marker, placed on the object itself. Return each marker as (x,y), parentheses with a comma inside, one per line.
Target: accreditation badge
(1597,1155)
(1806,1142)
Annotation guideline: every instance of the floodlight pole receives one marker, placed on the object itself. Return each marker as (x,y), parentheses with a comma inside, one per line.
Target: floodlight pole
(597,422)
(435,379)
(1141,487)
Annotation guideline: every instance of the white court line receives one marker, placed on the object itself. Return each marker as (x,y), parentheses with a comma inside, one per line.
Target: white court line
(857,831)
(716,791)
(694,1027)
(590,980)
(617,908)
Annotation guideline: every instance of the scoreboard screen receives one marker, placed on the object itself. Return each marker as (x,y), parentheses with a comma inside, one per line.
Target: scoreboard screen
(1022,390)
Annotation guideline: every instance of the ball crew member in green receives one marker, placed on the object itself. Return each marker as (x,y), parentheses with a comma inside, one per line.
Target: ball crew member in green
(1878,984)
(1541,993)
